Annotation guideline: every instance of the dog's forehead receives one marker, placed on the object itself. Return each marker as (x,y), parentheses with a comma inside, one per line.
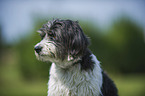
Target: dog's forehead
(44,28)
(57,23)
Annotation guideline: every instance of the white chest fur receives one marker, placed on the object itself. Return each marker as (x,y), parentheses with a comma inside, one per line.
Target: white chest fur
(74,81)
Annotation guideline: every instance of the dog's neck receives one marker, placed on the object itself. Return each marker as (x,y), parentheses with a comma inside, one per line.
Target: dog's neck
(76,77)
(85,61)
(65,65)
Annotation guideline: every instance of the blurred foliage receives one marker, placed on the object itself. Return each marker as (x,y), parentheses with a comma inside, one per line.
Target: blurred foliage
(126,46)
(30,67)
(121,49)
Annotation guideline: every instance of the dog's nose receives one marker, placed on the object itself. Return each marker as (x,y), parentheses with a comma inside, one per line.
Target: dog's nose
(38,49)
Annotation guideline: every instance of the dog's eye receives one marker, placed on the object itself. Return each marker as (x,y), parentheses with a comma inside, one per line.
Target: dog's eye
(42,35)
(51,35)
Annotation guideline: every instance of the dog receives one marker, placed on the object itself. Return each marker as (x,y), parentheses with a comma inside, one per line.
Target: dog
(75,70)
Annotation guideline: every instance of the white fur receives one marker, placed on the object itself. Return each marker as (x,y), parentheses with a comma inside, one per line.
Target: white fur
(48,47)
(74,81)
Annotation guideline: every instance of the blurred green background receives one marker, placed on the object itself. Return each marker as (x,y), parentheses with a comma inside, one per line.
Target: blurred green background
(119,45)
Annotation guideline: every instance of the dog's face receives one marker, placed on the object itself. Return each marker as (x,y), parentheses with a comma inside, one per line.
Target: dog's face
(62,40)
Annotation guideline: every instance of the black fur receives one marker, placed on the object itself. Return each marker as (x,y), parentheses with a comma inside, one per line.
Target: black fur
(108,87)
(68,36)
(86,62)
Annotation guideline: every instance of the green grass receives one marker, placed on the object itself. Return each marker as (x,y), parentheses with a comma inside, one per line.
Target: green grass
(24,89)
(12,82)
(130,85)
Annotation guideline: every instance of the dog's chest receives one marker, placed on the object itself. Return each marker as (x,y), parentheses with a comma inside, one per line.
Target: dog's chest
(74,82)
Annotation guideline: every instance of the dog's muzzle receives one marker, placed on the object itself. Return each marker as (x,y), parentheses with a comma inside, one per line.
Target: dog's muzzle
(45,49)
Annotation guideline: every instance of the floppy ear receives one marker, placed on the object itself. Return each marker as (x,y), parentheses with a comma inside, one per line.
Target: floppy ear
(80,42)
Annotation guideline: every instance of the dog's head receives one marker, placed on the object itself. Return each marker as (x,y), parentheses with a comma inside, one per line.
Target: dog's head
(62,41)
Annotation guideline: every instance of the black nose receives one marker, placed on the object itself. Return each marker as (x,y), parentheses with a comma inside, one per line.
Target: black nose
(38,49)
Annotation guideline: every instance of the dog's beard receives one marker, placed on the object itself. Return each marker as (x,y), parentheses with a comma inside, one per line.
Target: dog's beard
(51,53)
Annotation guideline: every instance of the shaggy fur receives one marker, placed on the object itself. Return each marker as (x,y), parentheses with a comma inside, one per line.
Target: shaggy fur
(75,71)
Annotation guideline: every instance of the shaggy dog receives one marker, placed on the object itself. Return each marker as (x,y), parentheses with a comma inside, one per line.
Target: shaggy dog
(75,71)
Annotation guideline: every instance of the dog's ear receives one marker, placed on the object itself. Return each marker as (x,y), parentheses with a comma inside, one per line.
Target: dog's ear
(80,42)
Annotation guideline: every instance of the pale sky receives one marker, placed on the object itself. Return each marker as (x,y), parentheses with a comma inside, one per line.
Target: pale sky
(17,16)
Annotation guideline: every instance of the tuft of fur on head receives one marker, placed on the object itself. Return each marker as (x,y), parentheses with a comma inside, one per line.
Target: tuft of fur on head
(62,40)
